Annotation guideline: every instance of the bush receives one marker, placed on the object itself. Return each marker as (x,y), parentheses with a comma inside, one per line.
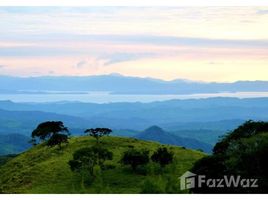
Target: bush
(88,158)
(135,158)
(162,156)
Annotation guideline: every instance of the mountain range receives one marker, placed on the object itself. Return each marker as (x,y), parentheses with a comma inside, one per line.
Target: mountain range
(212,113)
(118,84)
(201,120)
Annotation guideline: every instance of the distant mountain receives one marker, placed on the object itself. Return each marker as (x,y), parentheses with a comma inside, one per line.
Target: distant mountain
(184,118)
(212,113)
(23,122)
(118,84)
(156,133)
(13,143)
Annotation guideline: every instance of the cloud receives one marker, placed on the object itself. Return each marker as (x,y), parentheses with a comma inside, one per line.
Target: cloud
(51,72)
(123,57)
(81,64)
(36,51)
(90,64)
(214,63)
(2,66)
(140,39)
(262,12)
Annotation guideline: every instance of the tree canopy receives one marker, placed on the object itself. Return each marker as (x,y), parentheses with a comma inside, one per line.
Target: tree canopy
(54,132)
(162,156)
(87,158)
(134,158)
(98,132)
(243,152)
(57,139)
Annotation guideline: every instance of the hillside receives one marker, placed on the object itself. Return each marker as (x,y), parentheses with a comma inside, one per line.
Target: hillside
(155,133)
(45,170)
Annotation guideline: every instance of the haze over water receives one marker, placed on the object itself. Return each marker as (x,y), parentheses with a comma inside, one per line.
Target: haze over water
(102,97)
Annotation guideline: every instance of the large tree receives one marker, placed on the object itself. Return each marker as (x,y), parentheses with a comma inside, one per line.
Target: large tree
(57,139)
(46,130)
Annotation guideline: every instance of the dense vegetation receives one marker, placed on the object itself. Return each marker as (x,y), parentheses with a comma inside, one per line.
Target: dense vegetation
(243,152)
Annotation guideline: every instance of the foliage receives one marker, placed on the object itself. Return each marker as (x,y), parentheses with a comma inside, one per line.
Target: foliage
(57,139)
(243,152)
(248,129)
(162,156)
(135,158)
(87,158)
(45,130)
(98,132)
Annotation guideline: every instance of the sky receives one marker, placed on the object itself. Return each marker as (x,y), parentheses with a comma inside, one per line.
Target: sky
(222,44)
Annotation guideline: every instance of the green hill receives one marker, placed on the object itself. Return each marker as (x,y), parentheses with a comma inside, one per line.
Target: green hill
(45,170)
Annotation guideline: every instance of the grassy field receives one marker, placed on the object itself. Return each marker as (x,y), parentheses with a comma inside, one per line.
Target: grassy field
(44,170)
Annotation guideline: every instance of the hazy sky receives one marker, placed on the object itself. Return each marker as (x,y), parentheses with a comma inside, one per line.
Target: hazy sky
(208,44)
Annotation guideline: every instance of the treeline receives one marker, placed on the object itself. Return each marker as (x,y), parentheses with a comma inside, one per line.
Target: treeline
(242,152)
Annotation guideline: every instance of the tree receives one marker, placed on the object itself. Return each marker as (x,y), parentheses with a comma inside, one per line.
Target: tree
(162,156)
(243,152)
(98,132)
(86,158)
(46,129)
(134,158)
(246,130)
(57,139)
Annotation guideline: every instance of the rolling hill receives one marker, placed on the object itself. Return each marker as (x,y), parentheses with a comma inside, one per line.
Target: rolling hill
(44,170)
(155,133)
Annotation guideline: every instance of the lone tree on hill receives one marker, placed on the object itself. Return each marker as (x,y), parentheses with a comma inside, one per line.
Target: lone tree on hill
(57,139)
(52,131)
(134,158)
(162,156)
(97,133)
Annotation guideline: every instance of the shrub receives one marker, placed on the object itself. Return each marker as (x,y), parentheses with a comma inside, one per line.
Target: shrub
(162,156)
(135,158)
